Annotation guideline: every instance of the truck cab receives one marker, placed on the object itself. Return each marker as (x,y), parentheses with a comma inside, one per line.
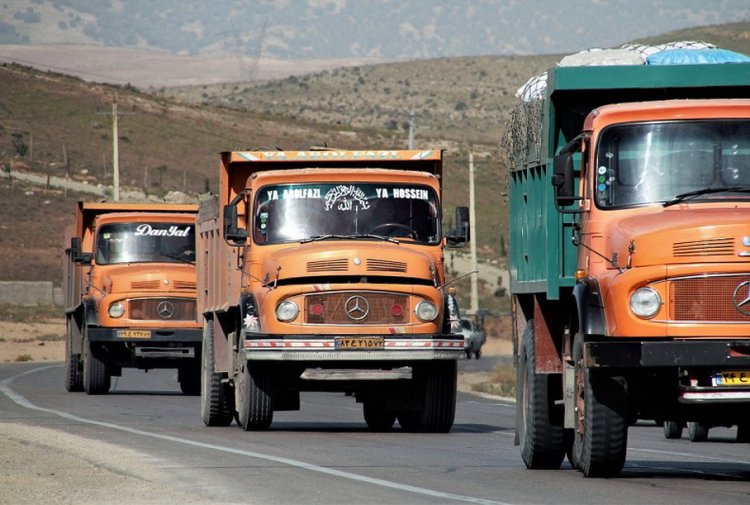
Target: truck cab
(629,206)
(129,291)
(324,271)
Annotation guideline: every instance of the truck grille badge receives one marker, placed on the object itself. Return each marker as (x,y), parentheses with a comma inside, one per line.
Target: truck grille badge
(741,297)
(165,310)
(356,308)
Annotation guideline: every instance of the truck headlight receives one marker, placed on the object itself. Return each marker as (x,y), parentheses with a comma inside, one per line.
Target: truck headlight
(645,302)
(286,311)
(426,311)
(116,310)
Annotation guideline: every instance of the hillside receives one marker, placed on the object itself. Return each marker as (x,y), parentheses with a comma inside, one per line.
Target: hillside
(321,29)
(461,99)
(56,125)
(464,100)
(59,125)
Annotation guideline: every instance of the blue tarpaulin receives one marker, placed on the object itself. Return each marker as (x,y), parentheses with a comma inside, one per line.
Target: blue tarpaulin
(691,56)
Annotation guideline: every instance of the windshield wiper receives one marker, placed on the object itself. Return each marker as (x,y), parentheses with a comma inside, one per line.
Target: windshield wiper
(379,237)
(176,257)
(317,238)
(705,191)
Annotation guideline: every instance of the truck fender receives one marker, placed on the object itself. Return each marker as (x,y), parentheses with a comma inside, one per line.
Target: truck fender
(451,314)
(591,318)
(90,314)
(248,316)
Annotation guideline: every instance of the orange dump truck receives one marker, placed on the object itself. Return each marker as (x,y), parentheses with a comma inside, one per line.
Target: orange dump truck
(630,257)
(129,294)
(323,271)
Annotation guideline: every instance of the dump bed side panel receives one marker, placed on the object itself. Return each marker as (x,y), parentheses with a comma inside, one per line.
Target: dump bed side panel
(542,257)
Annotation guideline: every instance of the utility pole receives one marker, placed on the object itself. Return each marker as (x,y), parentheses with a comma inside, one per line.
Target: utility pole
(411,129)
(115,153)
(115,150)
(473,238)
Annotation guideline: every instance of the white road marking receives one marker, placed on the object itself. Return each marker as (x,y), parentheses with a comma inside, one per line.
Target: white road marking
(23,402)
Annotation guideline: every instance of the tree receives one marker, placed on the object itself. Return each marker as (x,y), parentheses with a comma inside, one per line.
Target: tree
(22,148)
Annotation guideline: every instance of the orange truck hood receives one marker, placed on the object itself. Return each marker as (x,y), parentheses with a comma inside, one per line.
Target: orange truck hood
(148,277)
(677,235)
(332,257)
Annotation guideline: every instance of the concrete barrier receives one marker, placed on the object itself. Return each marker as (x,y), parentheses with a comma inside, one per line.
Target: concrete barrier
(30,293)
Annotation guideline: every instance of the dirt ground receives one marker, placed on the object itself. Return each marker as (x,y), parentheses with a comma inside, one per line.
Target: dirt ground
(32,341)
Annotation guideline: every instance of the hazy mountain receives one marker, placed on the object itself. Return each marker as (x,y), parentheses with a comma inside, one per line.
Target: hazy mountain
(340,29)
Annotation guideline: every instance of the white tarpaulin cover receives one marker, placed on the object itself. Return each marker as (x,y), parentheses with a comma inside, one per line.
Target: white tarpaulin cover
(671,53)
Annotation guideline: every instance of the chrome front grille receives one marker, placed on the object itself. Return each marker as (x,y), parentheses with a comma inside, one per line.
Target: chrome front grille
(357,308)
(162,309)
(707,298)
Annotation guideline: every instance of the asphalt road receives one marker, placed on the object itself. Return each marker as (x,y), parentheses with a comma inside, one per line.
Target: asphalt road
(323,454)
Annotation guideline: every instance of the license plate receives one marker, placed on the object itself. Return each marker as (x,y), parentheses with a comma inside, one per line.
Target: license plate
(360,343)
(732,378)
(134,333)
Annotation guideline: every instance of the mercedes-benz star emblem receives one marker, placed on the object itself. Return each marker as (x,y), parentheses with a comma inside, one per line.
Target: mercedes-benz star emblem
(165,310)
(741,297)
(356,308)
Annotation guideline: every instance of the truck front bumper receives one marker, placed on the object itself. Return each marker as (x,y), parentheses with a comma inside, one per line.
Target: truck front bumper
(152,343)
(697,359)
(624,353)
(307,348)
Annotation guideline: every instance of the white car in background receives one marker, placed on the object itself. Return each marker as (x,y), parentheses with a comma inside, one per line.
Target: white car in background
(474,338)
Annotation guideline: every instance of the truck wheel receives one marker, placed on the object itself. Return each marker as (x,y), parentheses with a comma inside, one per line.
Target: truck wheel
(672,429)
(541,440)
(601,433)
(96,379)
(377,417)
(73,375)
(254,407)
(215,408)
(436,382)
(189,377)
(697,432)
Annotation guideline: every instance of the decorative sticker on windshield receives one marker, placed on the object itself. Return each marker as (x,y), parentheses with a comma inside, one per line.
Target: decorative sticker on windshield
(346,198)
(146,230)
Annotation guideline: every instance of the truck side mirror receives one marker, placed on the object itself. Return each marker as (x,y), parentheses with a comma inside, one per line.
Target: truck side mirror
(459,236)
(562,178)
(232,233)
(76,253)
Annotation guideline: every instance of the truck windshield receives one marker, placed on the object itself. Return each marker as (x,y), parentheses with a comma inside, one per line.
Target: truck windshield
(318,211)
(145,243)
(661,162)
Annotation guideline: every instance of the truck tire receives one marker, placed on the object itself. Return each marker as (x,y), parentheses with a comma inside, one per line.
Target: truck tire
(377,417)
(189,377)
(436,383)
(254,406)
(697,432)
(215,407)
(672,429)
(541,440)
(96,378)
(73,375)
(601,434)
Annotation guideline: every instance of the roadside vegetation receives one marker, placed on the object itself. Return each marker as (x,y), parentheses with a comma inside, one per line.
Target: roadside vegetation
(30,314)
